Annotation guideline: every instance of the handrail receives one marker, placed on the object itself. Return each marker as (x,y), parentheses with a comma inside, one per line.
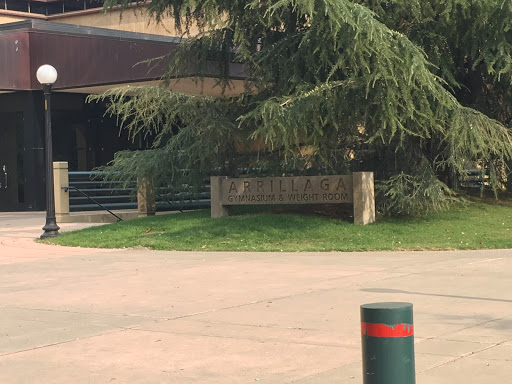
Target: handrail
(66,189)
(94,191)
(168,201)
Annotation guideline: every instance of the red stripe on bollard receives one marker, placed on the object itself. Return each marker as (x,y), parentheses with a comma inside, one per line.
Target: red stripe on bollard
(383,330)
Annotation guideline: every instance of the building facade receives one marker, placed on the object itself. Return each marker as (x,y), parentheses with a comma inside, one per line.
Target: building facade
(92,52)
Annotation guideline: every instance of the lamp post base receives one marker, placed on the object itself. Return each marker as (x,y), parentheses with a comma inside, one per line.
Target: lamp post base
(51,229)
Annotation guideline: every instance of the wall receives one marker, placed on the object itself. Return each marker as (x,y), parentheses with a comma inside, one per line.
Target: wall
(4,19)
(131,20)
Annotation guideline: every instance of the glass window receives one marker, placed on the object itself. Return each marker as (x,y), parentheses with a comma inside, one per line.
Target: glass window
(16,5)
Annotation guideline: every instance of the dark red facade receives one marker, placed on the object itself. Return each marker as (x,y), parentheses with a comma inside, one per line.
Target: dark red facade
(82,56)
(15,61)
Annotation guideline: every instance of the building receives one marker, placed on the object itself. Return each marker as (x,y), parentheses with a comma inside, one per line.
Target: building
(92,52)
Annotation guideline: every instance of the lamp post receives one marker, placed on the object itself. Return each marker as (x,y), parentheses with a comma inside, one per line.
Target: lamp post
(47,75)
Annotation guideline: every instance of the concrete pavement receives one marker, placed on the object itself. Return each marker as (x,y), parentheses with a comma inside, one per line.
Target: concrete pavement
(76,315)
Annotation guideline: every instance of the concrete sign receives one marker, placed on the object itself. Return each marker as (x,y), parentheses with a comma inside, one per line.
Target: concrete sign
(356,188)
(287,190)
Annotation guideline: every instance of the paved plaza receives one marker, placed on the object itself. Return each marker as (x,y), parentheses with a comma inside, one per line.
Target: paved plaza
(76,315)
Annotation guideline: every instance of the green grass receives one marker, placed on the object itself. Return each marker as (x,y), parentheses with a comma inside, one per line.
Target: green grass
(479,225)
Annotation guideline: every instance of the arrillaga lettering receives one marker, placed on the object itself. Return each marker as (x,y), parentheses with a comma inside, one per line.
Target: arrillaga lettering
(341,185)
(232,187)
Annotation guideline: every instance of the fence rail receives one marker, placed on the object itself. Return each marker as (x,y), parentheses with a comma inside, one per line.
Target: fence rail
(87,190)
(476,178)
(85,186)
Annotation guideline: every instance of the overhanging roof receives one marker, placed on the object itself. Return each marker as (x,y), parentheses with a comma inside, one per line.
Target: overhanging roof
(84,57)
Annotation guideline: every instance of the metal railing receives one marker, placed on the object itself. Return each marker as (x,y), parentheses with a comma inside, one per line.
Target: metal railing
(476,178)
(88,191)
(67,189)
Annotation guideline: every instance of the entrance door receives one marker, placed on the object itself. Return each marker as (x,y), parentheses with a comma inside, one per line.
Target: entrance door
(8,163)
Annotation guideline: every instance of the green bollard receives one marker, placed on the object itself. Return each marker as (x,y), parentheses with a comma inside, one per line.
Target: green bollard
(387,335)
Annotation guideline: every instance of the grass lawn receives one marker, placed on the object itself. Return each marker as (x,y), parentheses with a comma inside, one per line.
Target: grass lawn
(477,225)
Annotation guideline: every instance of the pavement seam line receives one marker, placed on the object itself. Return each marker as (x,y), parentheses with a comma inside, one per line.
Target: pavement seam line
(472,326)
(273,299)
(462,357)
(276,341)
(86,313)
(64,342)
